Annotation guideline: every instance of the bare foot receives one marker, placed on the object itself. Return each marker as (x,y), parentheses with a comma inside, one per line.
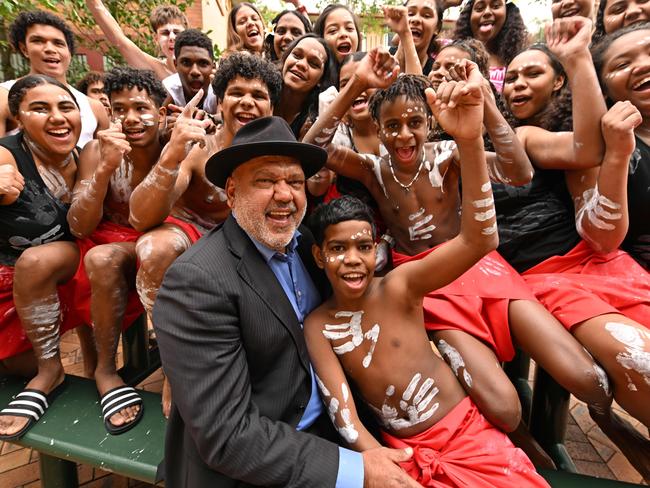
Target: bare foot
(106,382)
(46,380)
(166,398)
(634,446)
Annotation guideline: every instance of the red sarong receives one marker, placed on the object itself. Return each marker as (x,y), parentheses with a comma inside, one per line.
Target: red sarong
(583,284)
(13,340)
(107,233)
(476,302)
(465,450)
(188,228)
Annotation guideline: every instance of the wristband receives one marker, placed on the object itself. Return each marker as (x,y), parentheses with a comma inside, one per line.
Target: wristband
(390,240)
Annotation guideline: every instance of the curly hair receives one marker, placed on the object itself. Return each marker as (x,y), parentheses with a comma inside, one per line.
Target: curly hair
(249,67)
(164,14)
(19,89)
(18,28)
(125,78)
(91,78)
(193,37)
(410,86)
(599,27)
(269,50)
(511,40)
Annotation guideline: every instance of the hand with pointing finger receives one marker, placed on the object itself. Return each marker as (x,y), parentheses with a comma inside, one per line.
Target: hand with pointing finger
(188,130)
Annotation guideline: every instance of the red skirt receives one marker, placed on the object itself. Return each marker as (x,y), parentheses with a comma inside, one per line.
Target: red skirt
(476,302)
(188,228)
(107,233)
(583,284)
(13,340)
(465,450)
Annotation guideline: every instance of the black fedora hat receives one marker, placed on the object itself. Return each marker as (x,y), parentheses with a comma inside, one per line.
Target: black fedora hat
(268,136)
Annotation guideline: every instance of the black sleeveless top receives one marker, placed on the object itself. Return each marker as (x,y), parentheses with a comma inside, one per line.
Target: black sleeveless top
(535,221)
(37,216)
(637,240)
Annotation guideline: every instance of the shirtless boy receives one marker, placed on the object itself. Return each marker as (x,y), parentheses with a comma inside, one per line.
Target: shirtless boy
(369,322)
(416,185)
(175,199)
(109,169)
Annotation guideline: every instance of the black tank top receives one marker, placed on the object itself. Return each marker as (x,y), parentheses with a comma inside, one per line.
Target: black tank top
(637,240)
(535,221)
(37,216)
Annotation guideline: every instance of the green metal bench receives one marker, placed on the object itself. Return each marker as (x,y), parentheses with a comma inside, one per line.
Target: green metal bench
(72,432)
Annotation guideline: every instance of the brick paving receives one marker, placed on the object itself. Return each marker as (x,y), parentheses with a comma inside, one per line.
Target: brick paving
(592,452)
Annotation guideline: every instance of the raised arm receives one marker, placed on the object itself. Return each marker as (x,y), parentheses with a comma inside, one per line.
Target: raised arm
(600,194)
(97,163)
(11,181)
(153,199)
(509,162)
(133,55)
(569,39)
(397,21)
(458,107)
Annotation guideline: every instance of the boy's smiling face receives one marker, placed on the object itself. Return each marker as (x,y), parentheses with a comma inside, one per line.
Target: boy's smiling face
(348,255)
(403,129)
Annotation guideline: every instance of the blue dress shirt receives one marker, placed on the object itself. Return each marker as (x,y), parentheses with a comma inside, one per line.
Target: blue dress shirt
(290,271)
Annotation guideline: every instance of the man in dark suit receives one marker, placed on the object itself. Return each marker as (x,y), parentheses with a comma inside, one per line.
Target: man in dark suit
(229,325)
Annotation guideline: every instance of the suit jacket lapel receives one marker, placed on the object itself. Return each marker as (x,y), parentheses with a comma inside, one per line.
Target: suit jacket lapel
(261,279)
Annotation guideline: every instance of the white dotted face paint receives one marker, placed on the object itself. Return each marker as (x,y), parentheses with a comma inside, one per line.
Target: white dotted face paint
(636,358)
(359,235)
(418,231)
(354,331)
(416,408)
(455,361)
(333,259)
(147,120)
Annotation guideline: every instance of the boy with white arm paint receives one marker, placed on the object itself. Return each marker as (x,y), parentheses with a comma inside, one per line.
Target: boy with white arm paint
(370,322)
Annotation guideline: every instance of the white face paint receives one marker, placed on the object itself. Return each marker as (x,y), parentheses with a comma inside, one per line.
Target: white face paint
(455,360)
(147,120)
(359,235)
(333,259)
(636,358)
(420,230)
(414,409)
(354,331)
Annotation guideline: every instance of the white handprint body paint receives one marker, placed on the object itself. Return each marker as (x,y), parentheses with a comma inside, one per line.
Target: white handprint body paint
(636,358)
(354,331)
(346,427)
(598,209)
(455,360)
(413,409)
(418,231)
(120,182)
